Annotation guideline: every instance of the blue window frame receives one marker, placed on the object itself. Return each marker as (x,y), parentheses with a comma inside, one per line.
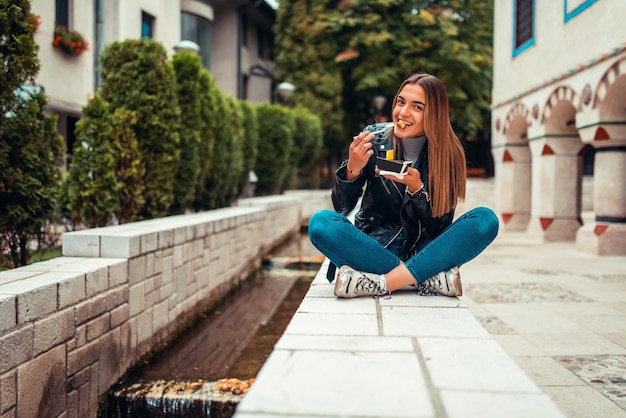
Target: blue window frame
(523,25)
(147,25)
(570,14)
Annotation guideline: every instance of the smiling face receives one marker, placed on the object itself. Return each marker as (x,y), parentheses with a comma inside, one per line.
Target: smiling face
(408,111)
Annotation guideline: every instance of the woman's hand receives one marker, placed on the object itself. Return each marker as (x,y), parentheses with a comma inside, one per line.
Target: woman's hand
(411,179)
(359,154)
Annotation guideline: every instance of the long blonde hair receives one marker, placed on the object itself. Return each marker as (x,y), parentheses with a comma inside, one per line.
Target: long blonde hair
(446,157)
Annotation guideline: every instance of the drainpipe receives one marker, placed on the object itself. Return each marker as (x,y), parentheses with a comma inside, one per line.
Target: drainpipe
(99,15)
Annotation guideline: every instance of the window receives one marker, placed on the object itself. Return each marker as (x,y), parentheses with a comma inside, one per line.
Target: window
(62,13)
(197,29)
(571,11)
(523,25)
(147,25)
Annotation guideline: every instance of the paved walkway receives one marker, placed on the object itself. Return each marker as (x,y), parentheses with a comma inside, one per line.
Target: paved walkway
(560,314)
(539,332)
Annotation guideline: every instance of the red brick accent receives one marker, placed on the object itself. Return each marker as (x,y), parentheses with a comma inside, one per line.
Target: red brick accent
(547,150)
(545,222)
(601,134)
(600,229)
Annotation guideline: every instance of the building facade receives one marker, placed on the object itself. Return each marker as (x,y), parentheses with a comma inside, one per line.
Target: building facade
(234,39)
(558,114)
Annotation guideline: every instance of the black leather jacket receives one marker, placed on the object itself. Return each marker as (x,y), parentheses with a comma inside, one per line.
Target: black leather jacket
(387,212)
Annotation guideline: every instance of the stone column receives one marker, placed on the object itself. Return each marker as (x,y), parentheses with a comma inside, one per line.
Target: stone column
(556,187)
(513,174)
(607,234)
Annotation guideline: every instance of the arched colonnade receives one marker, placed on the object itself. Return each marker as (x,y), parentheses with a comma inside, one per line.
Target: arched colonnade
(539,141)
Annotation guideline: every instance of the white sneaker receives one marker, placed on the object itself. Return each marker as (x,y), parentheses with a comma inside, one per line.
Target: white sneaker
(351,283)
(446,283)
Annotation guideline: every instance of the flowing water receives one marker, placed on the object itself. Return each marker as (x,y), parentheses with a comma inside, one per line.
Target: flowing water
(206,371)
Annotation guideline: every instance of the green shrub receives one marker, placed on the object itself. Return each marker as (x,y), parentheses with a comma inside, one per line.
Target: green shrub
(250,142)
(209,96)
(275,147)
(187,68)
(219,181)
(30,156)
(309,142)
(92,188)
(137,75)
(18,50)
(236,136)
(128,168)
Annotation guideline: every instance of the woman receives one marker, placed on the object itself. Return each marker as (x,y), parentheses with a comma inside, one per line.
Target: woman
(403,233)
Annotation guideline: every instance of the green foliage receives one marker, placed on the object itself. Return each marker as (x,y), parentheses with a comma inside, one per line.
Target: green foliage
(308,138)
(215,182)
(236,157)
(305,56)
(18,50)
(187,68)
(250,142)
(128,169)
(137,76)
(30,155)
(209,115)
(388,40)
(449,39)
(92,187)
(276,126)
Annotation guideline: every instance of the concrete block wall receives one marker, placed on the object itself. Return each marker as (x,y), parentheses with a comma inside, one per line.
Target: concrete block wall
(70,327)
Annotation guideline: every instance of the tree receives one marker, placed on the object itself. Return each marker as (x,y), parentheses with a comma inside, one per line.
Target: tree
(305,56)
(30,156)
(187,68)
(92,187)
(451,39)
(30,146)
(362,48)
(18,50)
(137,76)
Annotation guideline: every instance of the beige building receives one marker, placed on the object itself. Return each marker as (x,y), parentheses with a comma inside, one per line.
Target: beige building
(234,39)
(559,114)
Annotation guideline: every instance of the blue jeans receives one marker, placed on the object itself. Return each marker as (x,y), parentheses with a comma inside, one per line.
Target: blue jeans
(344,244)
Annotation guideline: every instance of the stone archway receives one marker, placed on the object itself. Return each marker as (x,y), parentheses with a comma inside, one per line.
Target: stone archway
(513,167)
(556,169)
(602,123)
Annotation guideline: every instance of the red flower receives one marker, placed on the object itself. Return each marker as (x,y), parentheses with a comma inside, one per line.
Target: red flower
(70,42)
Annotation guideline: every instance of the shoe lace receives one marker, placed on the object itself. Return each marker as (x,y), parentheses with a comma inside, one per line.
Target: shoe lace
(422,289)
(365,285)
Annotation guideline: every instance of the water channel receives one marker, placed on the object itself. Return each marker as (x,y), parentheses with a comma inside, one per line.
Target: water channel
(207,370)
